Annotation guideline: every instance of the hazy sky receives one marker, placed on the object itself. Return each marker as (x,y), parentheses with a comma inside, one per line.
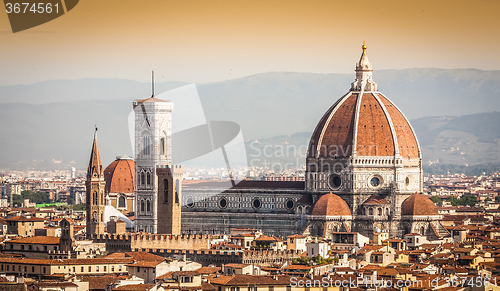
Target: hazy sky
(205,41)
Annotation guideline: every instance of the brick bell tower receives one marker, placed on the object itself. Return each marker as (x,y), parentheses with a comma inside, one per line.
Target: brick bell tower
(169,199)
(95,192)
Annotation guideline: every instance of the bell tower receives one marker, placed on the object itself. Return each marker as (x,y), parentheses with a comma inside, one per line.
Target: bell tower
(95,192)
(153,130)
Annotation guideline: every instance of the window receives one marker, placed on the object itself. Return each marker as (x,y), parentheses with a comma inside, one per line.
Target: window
(162,146)
(112,268)
(22,247)
(148,206)
(177,191)
(142,205)
(33,269)
(44,270)
(149,178)
(121,202)
(97,268)
(74,269)
(146,146)
(90,268)
(165,190)
(44,248)
(104,268)
(81,270)
(142,179)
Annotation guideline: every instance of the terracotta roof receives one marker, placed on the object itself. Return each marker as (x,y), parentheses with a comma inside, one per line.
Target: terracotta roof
(330,205)
(137,287)
(151,99)
(137,256)
(145,264)
(165,276)
(236,280)
(418,204)
(100,283)
(334,133)
(23,218)
(208,270)
(375,199)
(268,238)
(120,176)
(42,240)
(236,266)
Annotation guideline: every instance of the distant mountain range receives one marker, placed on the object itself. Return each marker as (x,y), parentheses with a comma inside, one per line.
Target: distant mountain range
(50,124)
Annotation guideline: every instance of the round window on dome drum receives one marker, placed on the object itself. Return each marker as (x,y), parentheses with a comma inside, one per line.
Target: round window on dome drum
(290,204)
(223,203)
(335,181)
(256,204)
(375,181)
(190,202)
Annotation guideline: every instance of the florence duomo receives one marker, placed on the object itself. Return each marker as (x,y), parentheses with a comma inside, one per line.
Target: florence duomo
(363,174)
(271,149)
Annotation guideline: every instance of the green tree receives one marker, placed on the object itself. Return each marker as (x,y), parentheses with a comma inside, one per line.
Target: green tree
(436,200)
(497,198)
(469,200)
(79,207)
(454,201)
(487,199)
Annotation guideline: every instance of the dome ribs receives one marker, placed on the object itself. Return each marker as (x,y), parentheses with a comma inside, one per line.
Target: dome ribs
(336,138)
(120,176)
(374,136)
(407,141)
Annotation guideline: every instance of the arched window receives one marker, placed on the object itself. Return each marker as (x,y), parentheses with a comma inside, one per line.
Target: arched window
(379,211)
(165,190)
(162,146)
(422,230)
(146,145)
(142,179)
(149,178)
(94,217)
(121,202)
(370,211)
(177,191)
(148,206)
(142,205)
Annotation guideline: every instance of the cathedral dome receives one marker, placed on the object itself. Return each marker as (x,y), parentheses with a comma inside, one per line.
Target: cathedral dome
(364,122)
(119,176)
(418,204)
(330,205)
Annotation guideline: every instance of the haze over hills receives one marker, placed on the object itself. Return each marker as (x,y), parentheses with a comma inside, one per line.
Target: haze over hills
(50,124)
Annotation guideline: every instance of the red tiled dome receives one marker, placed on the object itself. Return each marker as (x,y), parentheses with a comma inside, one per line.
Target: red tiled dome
(418,204)
(364,120)
(330,205)
(119,176)
(335,132)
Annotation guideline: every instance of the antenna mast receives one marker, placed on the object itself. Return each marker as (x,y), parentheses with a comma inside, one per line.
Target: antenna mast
(153,83)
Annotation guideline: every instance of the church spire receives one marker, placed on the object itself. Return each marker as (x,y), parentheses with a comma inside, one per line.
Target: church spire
(364,74)
(95,166)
